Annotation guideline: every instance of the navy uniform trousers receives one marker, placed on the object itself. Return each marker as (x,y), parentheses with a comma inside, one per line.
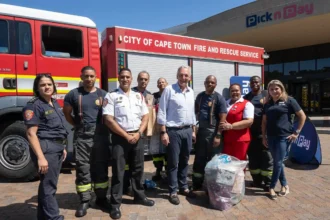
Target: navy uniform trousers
(47,205)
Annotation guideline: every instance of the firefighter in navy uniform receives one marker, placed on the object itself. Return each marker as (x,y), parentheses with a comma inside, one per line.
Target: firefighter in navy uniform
(91,140)
(126,114)
(159,160)
(210,109)
(260,158)
(47,135)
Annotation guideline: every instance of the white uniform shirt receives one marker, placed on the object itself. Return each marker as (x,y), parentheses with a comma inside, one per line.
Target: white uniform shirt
(127,110)
(248,110)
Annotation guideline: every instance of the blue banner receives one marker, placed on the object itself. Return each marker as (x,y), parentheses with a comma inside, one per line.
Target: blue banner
(244,81)
(307,147)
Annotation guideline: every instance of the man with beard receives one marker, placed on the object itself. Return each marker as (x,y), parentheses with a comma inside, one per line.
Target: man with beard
(126,114)
(159,160)
(91,140)
(210,109)
(260,159)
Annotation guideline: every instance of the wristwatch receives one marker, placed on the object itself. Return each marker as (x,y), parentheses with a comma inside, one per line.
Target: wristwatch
(218,136)
(162,132)
(297,132)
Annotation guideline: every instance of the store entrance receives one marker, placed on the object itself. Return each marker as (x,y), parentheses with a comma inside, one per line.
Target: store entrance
(307,95)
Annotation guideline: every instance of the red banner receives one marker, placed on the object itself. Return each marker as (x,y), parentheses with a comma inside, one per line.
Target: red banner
(153,42)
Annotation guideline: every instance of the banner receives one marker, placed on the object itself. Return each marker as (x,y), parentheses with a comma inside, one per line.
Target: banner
(307,148)
(244,81)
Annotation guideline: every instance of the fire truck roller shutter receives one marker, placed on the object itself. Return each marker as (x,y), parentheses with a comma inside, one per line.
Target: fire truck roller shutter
(157,66)
(245,69)
(220,69)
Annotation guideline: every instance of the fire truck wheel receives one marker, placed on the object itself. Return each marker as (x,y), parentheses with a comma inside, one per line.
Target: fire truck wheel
(15,160)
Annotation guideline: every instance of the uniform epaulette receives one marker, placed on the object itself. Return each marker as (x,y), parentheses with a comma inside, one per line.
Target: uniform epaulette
(33,99)
(116,90)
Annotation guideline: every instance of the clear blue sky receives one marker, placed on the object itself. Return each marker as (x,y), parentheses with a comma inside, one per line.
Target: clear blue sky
(150,15)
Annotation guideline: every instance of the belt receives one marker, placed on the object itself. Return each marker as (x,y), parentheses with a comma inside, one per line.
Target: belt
(56,140)
(130,132)
(179,127)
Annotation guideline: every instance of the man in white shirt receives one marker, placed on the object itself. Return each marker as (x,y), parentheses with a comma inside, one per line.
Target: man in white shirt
(126,114)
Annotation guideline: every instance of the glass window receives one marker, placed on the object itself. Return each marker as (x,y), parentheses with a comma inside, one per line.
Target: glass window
(290,68)
(24,38)
(275,71)
(307,66)
(266,68)
(323,65)
(4,39)
(61,42)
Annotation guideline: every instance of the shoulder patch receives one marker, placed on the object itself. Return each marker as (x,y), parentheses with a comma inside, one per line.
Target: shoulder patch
(105,102)
(28,115)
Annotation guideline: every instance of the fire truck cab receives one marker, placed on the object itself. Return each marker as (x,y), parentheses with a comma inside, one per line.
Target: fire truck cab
(32,42)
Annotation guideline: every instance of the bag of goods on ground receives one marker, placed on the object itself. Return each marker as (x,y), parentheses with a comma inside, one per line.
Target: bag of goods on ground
(224,176)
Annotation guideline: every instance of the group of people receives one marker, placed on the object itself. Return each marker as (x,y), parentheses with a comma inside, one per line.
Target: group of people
(258,125)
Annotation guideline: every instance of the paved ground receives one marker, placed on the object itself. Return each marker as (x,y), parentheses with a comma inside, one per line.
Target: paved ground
(309,198)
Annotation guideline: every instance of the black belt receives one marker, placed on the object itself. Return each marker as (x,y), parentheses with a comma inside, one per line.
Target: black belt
(179,127)
(57,140)
(130,132)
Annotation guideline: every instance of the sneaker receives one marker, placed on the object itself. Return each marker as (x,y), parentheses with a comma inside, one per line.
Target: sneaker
(284,191)
(174,199)
(188,193)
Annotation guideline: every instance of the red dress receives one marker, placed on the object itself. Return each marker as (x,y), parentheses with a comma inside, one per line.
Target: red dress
(236,142)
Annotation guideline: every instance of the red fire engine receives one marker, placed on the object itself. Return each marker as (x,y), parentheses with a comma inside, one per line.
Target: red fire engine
(36,41)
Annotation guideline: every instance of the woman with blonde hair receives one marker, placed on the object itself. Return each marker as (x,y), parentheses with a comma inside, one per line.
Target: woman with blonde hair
(278,132)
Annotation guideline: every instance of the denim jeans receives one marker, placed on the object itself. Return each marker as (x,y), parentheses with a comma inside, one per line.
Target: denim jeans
(278,147)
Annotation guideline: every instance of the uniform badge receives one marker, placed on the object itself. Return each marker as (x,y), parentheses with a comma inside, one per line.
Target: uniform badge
(120,98)
(105,102)
(28,114)
(97,102)
(210,104)
(234,108)
(49,112)
(137,96)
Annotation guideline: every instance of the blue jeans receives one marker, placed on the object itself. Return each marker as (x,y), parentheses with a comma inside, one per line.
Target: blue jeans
(278,147)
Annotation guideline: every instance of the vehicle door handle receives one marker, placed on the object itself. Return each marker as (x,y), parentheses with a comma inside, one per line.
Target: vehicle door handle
(26,65)
(9,83)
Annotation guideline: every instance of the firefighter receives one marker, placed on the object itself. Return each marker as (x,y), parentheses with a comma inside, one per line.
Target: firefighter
(47,136)
(143,81)
(159,160)
(91,140)
(260,158)
(210,109)
(126,114)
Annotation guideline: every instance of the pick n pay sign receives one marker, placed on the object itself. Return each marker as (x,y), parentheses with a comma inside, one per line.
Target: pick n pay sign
(290,11)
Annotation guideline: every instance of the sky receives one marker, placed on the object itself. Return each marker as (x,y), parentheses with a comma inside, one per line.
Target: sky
(150,15)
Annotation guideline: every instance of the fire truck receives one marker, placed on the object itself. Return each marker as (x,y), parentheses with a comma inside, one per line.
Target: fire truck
(35,41)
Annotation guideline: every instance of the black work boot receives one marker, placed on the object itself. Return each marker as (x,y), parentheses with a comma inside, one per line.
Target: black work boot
(82,209)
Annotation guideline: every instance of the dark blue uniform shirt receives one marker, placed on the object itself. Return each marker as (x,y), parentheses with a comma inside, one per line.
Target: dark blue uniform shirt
(258,103)
(50,120)
(204,103)
(91,105)
(279,116)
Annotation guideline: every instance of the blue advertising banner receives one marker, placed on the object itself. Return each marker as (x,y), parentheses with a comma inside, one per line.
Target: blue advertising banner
(307,147)
(244,81)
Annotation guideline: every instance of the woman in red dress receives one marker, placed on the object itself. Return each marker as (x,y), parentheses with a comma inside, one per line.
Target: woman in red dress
(240,114)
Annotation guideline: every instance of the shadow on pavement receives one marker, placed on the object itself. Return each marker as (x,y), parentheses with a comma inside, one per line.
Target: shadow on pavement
(297,166)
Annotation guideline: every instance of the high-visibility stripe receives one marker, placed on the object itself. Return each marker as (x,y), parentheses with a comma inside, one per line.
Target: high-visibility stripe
(157,159)
(83,188)
(103,185)
(266,173)
(254,172)
(198,175)
(8,90)
(126,167)
(112,79)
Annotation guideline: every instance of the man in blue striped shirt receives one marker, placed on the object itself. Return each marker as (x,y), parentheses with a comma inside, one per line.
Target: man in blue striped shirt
(176,115)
